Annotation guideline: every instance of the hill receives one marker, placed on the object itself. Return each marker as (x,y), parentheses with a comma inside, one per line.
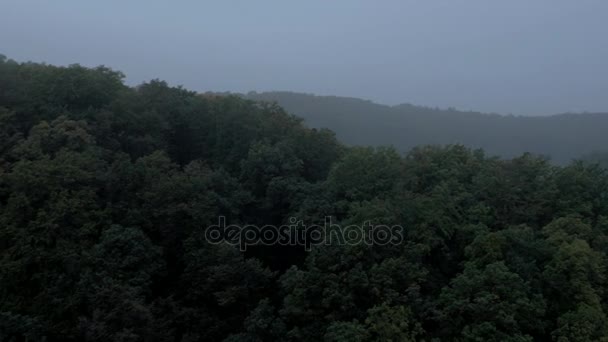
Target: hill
(561,137)
(152,213)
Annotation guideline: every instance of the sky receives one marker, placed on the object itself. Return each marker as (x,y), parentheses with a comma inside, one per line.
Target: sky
(524,57)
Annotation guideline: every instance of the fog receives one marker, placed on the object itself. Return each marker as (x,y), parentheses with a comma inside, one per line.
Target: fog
(519,56)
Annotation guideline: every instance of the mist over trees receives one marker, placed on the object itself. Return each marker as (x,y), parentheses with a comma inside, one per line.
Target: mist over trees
(562,137)
(106,191)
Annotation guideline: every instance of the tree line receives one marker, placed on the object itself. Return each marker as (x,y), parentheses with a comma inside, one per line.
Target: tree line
(561,137)
(106,190)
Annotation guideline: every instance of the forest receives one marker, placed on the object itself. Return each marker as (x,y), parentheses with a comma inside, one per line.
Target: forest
(560,137)
(106,191)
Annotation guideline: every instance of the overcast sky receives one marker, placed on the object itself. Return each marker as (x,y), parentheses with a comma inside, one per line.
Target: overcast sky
(511,56)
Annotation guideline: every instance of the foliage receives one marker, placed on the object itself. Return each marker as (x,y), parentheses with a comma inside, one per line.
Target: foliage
(106,192)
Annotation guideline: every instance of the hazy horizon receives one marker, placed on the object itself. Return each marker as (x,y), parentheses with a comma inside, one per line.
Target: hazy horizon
(515,57)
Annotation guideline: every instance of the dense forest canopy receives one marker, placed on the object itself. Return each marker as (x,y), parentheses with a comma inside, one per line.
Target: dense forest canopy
(561,137)
(106,192)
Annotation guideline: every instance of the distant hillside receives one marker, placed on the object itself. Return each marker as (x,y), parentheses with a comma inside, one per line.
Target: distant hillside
(562,137)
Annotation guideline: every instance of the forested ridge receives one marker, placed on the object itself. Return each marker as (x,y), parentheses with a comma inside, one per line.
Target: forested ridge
(106,191)
(562,137)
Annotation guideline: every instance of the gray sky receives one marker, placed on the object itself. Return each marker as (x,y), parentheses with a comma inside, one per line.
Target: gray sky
(509,56)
